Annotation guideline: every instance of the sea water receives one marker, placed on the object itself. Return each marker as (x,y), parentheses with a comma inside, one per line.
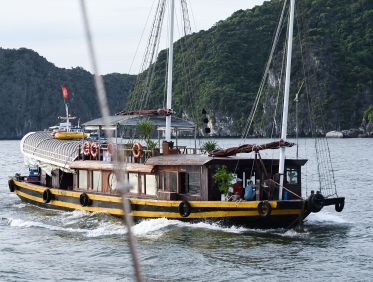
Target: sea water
(47,245)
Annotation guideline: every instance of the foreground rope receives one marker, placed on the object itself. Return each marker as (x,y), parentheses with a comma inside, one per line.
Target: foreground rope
(122,185)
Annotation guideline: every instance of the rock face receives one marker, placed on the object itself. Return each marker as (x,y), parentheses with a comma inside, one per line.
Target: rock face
(229,60)
(366,129)
(351,133)
(334,134)
(31,97)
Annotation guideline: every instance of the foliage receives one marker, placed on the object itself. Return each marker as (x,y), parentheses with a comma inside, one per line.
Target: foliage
(144,129)
(222,178)
(368,114)
(229,60)
(209,146)
(151,144)
(31,95)
(219,69)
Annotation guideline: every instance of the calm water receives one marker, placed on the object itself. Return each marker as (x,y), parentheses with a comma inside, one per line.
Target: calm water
(47,245)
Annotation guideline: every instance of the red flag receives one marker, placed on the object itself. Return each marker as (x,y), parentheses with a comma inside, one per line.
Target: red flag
(64,92)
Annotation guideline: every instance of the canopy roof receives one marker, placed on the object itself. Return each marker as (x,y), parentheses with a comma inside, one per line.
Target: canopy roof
(133,120)
(42,147)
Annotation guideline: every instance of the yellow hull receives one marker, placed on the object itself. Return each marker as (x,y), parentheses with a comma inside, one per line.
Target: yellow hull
(283,214)
(63,135)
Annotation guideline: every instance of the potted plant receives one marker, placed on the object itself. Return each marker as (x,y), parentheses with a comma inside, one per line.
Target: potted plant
(223,179)
(144,129)
(209,146)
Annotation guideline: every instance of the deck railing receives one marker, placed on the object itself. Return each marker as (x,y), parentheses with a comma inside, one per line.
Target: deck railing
(125,152)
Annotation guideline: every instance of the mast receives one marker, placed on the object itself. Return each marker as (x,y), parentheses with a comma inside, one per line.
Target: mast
(67,117)
(169,74)
(286,97)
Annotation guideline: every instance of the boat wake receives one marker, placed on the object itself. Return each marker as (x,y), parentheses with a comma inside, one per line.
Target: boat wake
(155,225)
(325,217)
(93,225)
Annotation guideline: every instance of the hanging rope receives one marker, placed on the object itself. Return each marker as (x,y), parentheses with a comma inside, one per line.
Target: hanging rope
(325,169)
(104,109)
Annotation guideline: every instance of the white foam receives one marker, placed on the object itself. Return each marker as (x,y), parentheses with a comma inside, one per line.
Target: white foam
(152,228)
(155,225)
(294,234)
(73,216)
(29,223)
(214,226)
(151,225)
(325,217)
(106,229)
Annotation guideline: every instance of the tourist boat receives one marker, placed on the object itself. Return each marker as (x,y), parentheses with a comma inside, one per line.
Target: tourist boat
(168,180)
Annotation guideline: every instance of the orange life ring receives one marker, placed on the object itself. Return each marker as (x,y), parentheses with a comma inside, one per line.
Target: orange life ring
(86,148)
(136,150)
(94,149)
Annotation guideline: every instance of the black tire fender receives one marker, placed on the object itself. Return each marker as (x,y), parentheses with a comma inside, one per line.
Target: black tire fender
(340,205)
(84,200)
(47,196)
(264,209)
(184,208)
(12,185)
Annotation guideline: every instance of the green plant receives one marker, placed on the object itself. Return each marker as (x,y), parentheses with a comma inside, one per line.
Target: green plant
(151,144)
(223,178)
(145,128)
(209,146)
(369,114)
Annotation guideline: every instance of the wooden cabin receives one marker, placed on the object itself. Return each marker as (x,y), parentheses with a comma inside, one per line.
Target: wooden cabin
(181,177)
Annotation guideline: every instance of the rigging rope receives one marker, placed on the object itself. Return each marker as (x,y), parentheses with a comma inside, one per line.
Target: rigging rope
(325,169)
(264,78)
(145,78)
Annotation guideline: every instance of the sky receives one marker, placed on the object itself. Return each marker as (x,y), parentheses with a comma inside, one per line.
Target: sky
(54,28)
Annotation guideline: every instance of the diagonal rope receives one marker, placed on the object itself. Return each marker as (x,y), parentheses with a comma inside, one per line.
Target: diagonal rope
(104,109)
(250,119)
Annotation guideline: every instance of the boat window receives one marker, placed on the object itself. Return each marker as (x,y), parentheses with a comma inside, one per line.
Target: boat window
(292,175)
(151,184)
(83,179)
(96,180)
(168,181)
(112,181)
(133,179)
(190,180)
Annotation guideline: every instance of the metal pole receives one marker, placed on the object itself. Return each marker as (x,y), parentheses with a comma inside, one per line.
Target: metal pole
(67,117)
(195,139)
(169,74)
(176,136)
(286,97)
(296,122)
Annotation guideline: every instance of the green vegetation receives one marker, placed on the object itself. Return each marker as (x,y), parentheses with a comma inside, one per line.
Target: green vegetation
(144,129)
(368,114)
(223,178)
(228,60)
(31,95)
(220,70)
(209,146)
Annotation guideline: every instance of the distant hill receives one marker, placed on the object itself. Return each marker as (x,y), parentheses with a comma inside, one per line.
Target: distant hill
(230,58)
(30,92)
(227,62)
